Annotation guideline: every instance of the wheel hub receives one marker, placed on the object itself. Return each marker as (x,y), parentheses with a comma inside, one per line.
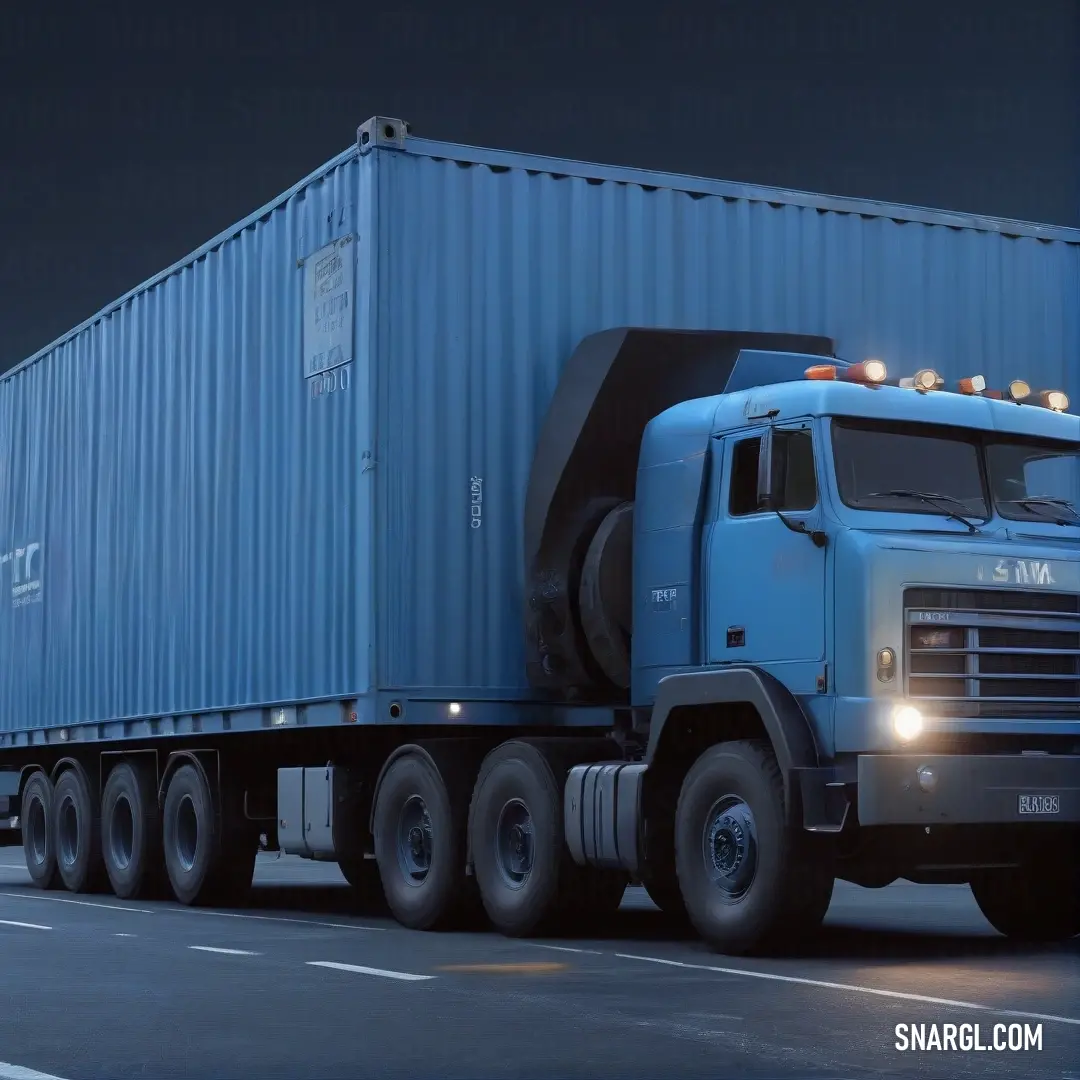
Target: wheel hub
(415,840)
(514,847)
(729,847)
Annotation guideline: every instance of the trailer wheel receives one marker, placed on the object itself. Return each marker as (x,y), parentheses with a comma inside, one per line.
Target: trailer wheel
(76,829)
(1038,902)
(207,858)
(750,882)
(419,845)
(131,832)
(516,840)
(37,832)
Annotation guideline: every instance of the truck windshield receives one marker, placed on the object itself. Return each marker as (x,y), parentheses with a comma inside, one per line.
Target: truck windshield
(916,470)
(1035,481)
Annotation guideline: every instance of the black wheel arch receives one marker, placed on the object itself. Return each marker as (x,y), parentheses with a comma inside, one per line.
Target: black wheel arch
(206,762)
(781,717)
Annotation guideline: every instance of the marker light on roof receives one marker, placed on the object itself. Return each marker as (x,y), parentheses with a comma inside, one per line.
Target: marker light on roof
(1057,400)
(869,371)
(1019,390)
(924,380)
(821,372)
(975,385)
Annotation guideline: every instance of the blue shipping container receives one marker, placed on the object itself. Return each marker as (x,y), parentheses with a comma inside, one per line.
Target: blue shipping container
(291,469)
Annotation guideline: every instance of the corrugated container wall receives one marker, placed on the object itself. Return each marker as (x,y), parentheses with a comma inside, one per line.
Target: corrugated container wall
(217,531)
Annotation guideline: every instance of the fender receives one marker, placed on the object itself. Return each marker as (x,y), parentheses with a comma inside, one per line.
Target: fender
(26,771)
(783,719)
(200,759)
(68,764)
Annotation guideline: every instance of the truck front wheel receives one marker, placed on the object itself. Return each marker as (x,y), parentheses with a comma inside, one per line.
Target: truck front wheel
(750,882)
(1037,902)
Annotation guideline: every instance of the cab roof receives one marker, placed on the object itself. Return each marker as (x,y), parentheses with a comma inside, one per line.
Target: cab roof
(685,428)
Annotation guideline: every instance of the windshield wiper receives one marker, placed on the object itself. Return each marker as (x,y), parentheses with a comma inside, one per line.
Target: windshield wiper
(931,498)
(1047,502)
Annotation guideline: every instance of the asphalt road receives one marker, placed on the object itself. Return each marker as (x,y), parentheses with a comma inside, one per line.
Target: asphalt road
(296,986)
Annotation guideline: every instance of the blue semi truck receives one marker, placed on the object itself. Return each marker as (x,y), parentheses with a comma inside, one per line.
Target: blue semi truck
(507,529)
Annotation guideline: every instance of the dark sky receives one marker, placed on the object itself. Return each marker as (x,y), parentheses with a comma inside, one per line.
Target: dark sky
(128,140)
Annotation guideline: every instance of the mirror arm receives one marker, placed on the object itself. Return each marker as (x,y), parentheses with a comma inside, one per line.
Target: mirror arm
(816,535)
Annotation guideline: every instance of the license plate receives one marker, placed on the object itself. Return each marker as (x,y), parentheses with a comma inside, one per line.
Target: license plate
(1039,804)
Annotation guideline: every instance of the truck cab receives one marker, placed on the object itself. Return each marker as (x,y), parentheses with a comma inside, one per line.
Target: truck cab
(856,639)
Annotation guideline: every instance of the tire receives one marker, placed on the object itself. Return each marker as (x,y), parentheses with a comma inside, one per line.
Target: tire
(208,860)
(1036,903)
(733,800)
(663,890)
(39,846)
(77,834)
(131,833)
(525,875)
(420,845)
(363,876)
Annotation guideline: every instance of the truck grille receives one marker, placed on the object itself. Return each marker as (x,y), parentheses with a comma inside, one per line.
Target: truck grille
(988,652)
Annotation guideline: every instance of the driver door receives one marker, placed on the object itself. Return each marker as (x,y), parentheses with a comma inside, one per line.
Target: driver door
(766,584)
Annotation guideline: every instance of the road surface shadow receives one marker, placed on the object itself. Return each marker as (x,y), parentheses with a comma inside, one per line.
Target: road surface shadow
(840,939)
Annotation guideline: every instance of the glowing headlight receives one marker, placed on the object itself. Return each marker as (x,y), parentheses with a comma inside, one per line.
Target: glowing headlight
(907,722)
(1056,400)
(1019,390)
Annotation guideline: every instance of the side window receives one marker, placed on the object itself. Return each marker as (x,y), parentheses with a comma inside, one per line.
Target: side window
(744,467)
(794,479)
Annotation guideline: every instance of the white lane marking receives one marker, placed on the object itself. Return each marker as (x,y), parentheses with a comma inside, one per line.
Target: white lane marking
(24,925)
(193,911)
(18,1072)
(898,995)
(224,952)
(78,903)
(561,948)
(123,935)
(403,976)
(274,918)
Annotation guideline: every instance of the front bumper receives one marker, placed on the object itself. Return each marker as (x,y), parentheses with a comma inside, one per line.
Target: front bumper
(968,789)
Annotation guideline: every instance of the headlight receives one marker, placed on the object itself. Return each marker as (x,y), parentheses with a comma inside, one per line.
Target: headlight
(907,722)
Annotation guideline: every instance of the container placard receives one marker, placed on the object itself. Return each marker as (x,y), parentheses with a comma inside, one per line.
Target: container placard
(329,304)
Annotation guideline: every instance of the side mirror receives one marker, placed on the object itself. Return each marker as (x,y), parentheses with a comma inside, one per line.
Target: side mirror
(765,471)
